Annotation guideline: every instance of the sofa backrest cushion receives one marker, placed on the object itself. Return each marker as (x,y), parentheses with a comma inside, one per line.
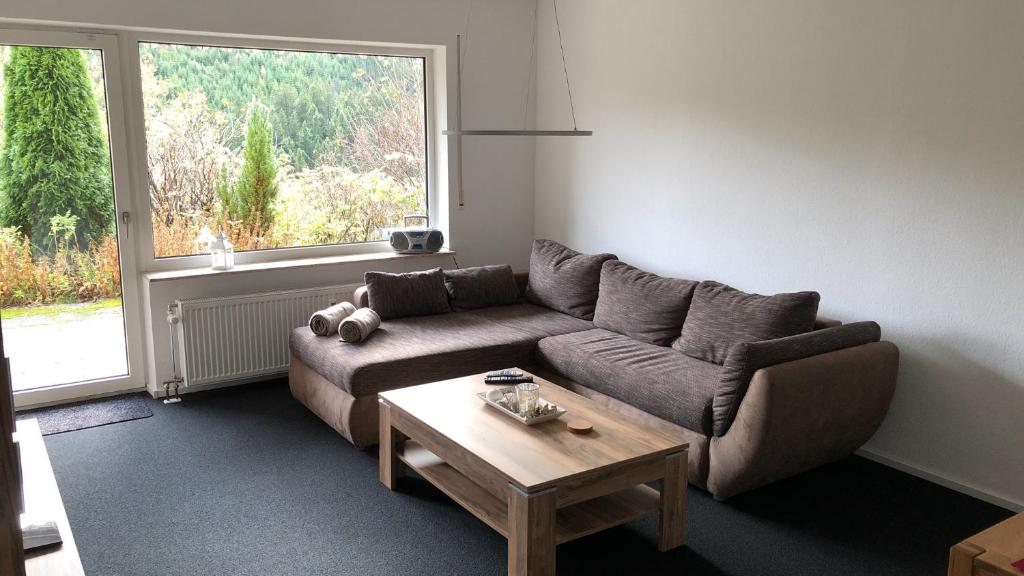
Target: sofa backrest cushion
(721,316)
(409,294)
(563,279)
(746,358)
(642,305)
(481,286)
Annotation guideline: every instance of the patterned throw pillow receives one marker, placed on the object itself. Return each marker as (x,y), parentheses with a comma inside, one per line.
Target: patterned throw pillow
(482,286)
(565,280)
(721,316)
(409,294)
(642,305)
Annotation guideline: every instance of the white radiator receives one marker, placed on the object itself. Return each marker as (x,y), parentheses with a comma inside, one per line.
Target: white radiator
(244,338)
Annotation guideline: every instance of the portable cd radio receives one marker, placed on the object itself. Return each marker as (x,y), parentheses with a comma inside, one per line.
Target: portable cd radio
(416,239)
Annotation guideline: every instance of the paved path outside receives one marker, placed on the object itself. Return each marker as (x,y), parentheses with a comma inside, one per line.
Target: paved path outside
(65,348)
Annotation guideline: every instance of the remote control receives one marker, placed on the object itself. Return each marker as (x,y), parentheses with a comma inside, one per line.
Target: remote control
(508,372)
(507,379)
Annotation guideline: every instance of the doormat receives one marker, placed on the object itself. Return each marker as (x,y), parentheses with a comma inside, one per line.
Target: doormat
(89,414)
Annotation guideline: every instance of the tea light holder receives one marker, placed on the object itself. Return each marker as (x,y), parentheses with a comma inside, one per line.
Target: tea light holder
(527,394)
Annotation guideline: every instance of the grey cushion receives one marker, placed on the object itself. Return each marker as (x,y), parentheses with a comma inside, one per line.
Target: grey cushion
(640,304)
(410,351)
(481,286)
(409,294)
(655,379)
(746,358)
(721,316)
(534,320)
(563,279)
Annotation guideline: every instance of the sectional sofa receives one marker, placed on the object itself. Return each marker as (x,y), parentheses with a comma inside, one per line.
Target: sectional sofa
(762,386)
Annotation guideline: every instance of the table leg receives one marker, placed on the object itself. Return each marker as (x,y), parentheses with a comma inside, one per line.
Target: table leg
(531,532)
(673,503)
(391,468)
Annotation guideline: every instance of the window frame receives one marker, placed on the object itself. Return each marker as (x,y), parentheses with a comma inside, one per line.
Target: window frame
(136,126)
(122,181)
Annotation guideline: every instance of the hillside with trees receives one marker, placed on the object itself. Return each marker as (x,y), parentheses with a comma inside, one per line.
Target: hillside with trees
(346,136)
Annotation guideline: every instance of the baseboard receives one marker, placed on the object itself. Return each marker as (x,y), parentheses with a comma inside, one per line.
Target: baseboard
(935,478)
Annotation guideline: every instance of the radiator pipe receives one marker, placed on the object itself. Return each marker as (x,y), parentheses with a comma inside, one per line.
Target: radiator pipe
(172,320)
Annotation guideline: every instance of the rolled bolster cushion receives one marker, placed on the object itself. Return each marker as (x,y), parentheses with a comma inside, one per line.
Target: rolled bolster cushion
(359,325)
(326,322)
(746,358)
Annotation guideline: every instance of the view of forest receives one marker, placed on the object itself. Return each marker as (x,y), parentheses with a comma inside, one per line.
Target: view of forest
(281,148)
(274,148)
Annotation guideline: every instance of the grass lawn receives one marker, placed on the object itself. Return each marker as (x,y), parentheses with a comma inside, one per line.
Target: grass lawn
(77,309)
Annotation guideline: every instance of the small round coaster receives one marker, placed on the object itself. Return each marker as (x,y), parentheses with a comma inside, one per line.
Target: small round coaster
(579,426)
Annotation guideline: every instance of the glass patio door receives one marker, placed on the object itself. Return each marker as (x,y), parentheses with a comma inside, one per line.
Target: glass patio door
(68,295)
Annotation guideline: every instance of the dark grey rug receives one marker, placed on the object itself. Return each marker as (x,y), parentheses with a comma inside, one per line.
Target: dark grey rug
(247,482)
(89,414)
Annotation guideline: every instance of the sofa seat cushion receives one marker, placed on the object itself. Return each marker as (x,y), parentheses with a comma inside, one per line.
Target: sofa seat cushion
(534,320)
(409,351)
(658,380)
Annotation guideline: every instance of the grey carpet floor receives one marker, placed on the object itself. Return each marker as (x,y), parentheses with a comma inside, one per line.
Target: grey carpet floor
(246,481)
(89,414)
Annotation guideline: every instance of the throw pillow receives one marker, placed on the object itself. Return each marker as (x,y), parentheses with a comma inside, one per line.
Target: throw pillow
(721,316)
(482,286)
(563,279)
(409,294)
(642,305)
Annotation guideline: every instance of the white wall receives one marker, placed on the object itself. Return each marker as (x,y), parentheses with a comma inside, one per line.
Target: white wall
(873,151)
(496,226)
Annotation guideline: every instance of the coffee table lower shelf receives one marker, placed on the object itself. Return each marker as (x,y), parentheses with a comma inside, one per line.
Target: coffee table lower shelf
(574,521)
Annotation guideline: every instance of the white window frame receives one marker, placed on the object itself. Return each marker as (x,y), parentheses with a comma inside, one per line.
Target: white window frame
(148,262)
(123,201)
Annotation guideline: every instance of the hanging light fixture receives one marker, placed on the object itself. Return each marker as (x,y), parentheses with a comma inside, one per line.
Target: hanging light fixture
(460,131)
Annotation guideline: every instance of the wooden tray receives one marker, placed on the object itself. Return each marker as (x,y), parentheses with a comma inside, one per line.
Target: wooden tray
(559,411)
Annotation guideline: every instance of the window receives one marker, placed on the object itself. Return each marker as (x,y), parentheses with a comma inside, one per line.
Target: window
(280,148)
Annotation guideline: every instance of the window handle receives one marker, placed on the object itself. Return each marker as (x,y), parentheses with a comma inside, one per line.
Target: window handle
(126,219)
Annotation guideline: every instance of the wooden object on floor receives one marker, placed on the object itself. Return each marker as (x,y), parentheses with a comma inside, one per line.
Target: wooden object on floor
(991,552)
(43,501)
(12,557)
(540,485)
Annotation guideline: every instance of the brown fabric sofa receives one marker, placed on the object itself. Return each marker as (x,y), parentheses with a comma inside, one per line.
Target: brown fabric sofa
(750,421)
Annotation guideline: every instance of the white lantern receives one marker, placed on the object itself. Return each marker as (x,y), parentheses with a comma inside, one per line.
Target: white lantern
(222,253)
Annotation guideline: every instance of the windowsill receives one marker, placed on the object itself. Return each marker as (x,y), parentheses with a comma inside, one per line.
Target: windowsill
(287,265)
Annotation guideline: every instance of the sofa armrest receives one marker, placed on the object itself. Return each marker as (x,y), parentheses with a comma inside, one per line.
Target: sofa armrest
(801,414)
(361,297)
(746,358)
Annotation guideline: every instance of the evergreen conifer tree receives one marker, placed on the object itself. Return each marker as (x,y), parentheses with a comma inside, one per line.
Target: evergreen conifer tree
(55,160)
(257,187)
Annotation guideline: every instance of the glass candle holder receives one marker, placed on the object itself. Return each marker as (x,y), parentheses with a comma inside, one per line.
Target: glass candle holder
(528,394)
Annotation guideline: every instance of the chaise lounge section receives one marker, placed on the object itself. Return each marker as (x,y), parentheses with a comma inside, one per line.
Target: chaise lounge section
(755,410)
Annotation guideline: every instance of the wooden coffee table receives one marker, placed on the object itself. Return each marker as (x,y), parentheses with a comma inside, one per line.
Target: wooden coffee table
(538,486)
(992,552)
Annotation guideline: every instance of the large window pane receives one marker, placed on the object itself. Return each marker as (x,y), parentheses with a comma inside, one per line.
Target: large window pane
(280,148)
(60,266)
